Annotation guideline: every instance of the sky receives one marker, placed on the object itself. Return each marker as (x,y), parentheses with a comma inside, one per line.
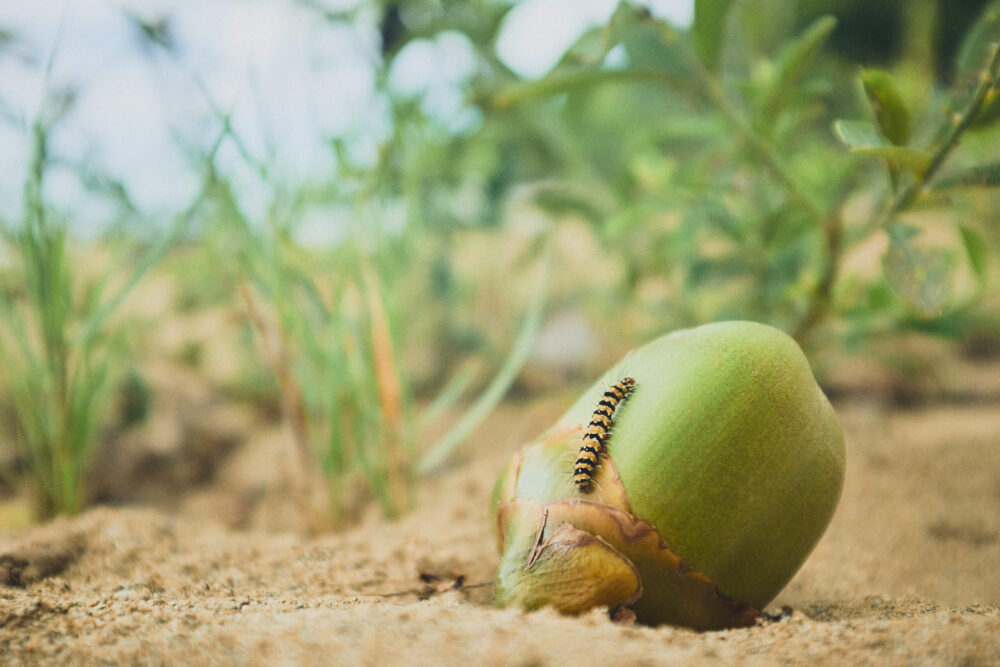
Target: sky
(291,82)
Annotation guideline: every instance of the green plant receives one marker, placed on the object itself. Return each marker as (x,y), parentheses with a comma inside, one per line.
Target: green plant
(721,177)
(326,322)
(722,472)
(328,338)
(61,350)
(332,322)
(332,352)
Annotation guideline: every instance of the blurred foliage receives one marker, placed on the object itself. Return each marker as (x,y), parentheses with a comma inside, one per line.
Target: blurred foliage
(883,33)
(828,167)
(331,321)
(325,326)
(61,348)
(707,161)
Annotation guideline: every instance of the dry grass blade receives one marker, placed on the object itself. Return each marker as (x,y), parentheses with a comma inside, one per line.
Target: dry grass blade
(303,477)
(389,389)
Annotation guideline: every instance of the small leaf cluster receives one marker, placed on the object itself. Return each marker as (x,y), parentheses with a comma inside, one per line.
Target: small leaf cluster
(713,162)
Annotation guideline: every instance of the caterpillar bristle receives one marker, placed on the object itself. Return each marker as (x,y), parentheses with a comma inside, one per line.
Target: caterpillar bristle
(599,428)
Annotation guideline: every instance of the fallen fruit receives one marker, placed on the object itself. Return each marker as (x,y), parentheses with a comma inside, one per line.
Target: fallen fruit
(722,471)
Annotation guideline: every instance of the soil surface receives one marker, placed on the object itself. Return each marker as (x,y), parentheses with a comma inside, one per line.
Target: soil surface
(907,572)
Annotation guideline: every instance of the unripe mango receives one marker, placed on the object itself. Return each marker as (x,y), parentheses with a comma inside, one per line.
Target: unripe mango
(723,470)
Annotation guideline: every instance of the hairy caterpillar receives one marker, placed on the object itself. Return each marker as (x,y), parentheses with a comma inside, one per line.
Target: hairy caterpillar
(596,437)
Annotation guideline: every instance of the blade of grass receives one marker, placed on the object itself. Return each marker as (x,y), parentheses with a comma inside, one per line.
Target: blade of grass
(99,316)
(367,422)
(588,78)
(389,388)
(451,392)
(501,382)
(386,374)
(292,403)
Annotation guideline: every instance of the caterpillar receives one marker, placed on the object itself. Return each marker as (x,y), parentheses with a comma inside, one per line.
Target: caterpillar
(596,438)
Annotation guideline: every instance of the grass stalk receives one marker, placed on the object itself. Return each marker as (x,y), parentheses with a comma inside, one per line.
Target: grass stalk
(58,352)
(501,382)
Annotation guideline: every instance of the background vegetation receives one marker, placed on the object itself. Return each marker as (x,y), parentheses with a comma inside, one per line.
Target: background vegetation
(825,167)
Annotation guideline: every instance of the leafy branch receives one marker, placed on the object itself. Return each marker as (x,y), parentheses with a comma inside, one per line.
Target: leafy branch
(757,111)
(916,274)
(954,128)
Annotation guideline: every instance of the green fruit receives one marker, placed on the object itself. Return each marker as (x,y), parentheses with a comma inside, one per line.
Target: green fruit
(727,452)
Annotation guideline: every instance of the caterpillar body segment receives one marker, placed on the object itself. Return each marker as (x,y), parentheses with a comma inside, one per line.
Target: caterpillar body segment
(596,438)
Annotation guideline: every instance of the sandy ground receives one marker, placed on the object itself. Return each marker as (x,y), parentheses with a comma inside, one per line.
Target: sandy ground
(908,573)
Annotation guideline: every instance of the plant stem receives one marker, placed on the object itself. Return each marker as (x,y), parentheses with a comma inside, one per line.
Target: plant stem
(832,222)
(820,302)
(712,90)
(959,123)
(762,149)
(304,482)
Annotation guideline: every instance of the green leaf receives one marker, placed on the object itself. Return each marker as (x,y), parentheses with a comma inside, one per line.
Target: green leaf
(912,159)
(709,24)
(879,297)
(981,176)
(584,79)
(990,113)
(918,275)
(790,64)
(891,114)
(862,137)
(594,45)
(590,49)
(975,50)
(653,45)
(566,201)
(626,18)
(858,133)
(798,54)
(753,33)
(976,249)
